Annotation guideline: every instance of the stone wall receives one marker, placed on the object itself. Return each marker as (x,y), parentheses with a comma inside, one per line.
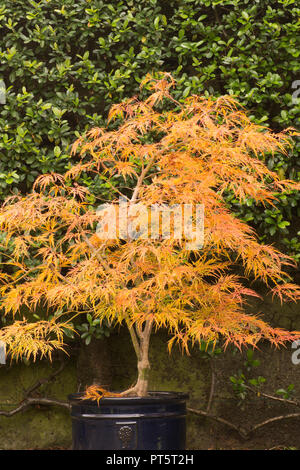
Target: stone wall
(48,427)
(38,427)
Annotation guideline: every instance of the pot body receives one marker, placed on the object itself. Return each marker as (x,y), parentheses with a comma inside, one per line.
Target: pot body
(155,422)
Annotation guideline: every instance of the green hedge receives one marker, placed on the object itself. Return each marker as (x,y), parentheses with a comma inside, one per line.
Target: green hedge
(65,61)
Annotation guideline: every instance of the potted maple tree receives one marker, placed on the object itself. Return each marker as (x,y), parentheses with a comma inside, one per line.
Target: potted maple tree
(69,254)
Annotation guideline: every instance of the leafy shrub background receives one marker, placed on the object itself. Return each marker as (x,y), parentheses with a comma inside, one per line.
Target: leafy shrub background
(64,62)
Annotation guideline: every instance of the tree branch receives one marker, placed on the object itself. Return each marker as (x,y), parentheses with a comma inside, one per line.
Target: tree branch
(44,380)
(134,340)
(212,387)
(29,401)
(95,252)
(141,179)
(275,418)
(23,405)
(271,397)
(242,432)
(245,433)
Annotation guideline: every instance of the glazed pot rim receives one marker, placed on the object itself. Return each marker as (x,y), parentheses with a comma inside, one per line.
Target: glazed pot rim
(152,397)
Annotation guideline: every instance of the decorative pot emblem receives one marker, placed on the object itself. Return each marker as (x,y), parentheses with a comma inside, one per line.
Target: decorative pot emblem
(125,435)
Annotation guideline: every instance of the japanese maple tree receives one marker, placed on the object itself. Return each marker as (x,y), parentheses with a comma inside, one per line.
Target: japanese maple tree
(188,152)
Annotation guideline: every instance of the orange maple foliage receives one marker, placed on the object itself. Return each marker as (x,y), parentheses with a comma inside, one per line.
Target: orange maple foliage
(191,153)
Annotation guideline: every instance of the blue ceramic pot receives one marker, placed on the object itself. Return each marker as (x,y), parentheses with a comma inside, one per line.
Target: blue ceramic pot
(155,422)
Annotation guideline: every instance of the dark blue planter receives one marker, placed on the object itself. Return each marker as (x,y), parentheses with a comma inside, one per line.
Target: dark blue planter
(155,422)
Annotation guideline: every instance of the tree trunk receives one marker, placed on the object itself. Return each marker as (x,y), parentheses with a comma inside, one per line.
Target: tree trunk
(143,378)
(140,340)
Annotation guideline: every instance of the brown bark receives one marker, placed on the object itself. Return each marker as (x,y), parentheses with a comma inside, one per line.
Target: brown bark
(141,339)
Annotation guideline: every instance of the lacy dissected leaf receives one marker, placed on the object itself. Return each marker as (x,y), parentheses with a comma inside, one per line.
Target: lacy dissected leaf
(32,340)
(59,251)
(95,392)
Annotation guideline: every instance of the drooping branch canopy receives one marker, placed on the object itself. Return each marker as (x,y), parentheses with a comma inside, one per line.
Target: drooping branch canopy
(191,153)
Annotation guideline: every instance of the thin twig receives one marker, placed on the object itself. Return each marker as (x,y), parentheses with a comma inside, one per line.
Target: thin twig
(23,405)
(245,434)
(134,340)
(242,432)
(272,397)
(96,253)
(43,381)
(141,179)
(272,420)
(212,387)
(29,401)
